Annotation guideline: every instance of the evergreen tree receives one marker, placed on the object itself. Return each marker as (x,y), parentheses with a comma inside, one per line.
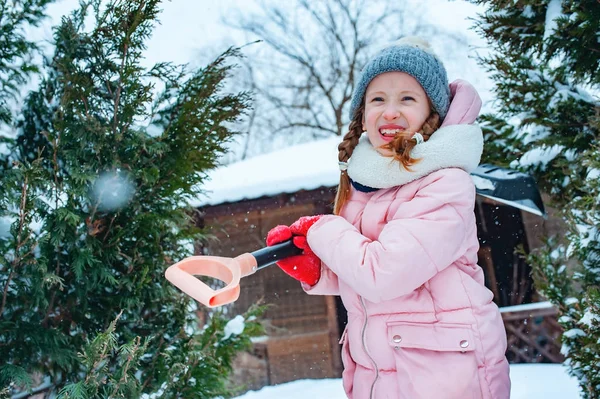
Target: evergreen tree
(16,57)
(95,188)
(16,51)
(545,61)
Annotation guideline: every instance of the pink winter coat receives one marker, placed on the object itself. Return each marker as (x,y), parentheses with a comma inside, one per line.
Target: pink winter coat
(421,323)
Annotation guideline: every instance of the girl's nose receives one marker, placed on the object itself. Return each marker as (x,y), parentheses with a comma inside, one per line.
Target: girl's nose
(391,113)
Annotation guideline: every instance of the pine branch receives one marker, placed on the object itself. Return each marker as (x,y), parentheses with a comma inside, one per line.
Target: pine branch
(33,393)
(119,88)
(20,243)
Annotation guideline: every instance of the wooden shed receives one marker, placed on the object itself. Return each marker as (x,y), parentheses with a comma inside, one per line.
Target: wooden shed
(245,200)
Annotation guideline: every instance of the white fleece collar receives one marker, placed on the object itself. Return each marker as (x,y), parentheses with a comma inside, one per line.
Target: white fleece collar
(454,146)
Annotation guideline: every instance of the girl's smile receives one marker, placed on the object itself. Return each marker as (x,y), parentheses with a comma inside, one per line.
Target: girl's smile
(389,131)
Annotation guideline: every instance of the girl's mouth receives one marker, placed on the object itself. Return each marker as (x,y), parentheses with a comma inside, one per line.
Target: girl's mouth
(388,134)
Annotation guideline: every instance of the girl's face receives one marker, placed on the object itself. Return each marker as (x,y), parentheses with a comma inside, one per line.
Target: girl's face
(394,103)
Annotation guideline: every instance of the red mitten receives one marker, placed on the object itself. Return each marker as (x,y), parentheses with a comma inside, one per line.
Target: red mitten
(300,227)
(278,234)
(306,267)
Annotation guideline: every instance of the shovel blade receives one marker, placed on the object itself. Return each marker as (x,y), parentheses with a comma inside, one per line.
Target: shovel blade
(509,187)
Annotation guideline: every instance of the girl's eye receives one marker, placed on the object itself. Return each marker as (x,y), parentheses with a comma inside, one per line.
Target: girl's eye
(377,99)
(408,98)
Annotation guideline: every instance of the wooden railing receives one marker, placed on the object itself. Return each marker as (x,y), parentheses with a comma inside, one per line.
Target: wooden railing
(533,333)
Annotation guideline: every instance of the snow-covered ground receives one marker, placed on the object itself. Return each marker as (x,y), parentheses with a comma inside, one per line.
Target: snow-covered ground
(529,381)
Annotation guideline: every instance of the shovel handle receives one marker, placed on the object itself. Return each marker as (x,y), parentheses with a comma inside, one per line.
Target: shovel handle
(269,255)
(229,270)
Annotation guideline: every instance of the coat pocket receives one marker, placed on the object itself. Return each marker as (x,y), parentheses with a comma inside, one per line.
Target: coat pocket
(435,360)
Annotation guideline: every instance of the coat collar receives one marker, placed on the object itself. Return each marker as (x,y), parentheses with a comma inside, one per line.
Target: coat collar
(455,146)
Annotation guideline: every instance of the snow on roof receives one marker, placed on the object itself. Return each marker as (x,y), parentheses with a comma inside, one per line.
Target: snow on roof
(300,167)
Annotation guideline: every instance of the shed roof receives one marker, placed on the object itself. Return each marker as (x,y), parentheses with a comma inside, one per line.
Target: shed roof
(301,167)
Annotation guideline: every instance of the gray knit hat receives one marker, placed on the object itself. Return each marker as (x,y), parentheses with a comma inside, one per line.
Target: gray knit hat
(411,55)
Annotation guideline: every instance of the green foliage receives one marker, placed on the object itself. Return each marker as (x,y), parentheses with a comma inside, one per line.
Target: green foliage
(16,51)
(194,369)
(545,63)
(98,375)
(579,310)
(93,210)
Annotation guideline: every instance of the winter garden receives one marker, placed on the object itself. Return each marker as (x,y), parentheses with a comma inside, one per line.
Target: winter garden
(135,134)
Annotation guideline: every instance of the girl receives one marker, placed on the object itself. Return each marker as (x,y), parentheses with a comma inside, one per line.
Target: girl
(401,249)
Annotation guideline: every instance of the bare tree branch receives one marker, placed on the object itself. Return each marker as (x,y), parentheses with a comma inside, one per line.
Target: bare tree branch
(309,125)
(306,71)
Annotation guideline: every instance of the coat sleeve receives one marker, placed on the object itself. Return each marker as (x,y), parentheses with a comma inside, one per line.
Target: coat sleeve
(327,284)
(423,237)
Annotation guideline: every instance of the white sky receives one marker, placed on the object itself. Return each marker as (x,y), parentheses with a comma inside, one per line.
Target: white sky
(192,31)
(189,25)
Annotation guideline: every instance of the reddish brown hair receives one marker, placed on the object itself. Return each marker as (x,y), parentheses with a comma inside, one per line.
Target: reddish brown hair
(401,147)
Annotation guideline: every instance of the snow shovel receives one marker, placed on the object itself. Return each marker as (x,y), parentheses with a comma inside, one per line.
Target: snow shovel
(229,270)
(509,187)
(500,184)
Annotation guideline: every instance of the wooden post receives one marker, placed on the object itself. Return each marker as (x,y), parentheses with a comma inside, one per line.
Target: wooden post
(334,334)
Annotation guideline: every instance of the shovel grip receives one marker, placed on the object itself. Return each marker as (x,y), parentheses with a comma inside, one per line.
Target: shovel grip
(269,255)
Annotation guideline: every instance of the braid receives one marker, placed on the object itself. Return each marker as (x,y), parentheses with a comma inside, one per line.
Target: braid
(431,125)
(350,141)
(345,149)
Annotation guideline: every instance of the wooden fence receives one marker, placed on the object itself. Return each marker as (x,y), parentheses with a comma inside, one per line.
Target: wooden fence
(533,333)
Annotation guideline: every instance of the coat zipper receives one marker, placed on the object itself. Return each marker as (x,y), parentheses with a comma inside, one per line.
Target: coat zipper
(364,342)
